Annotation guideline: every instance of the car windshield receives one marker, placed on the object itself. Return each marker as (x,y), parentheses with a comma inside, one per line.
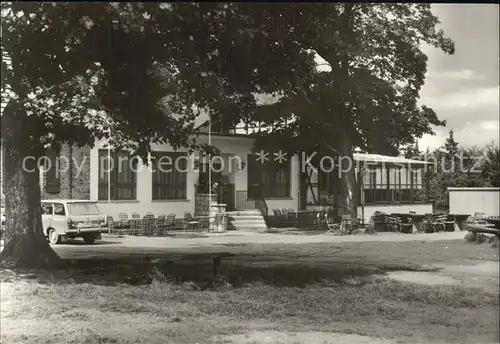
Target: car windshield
(83,209)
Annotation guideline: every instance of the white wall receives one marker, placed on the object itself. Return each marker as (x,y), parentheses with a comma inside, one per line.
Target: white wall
(239,147)
(144,202)
(472,200)
(394,208)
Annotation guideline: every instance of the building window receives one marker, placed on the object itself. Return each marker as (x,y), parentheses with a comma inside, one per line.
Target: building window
(120,169)
(392,185)
(416,179)
(59,209)
(169,175)
(52,174)
(268,179)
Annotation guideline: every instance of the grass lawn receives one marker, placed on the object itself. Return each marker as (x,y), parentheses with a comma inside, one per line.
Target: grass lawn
(312,288)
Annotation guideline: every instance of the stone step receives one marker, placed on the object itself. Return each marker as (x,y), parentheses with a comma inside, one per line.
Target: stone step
(244,212)
(246,225)
(261,226)
(244,217)
(248,221)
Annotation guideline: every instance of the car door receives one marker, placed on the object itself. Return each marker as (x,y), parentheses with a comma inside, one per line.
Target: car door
(47,209)
(59,219)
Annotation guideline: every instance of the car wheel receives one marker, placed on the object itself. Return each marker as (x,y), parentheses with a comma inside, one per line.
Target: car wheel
(54,238)
(89,240)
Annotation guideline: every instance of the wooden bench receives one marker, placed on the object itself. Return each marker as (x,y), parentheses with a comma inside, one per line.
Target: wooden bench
(483,229)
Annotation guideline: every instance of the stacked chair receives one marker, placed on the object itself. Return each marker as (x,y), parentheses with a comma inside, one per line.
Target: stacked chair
(159,226)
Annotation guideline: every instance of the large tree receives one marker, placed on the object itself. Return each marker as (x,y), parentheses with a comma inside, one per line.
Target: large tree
(366,95)
(491,166)
(145,69)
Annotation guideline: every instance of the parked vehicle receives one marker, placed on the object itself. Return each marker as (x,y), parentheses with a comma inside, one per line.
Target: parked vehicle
(72,219)
(2,229)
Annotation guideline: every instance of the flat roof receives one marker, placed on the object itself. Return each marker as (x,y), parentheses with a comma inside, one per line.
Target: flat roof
(474,188)
(67,201)
(244,136)
(387,159)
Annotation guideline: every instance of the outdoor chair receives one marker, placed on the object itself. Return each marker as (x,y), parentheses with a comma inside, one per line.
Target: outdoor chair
(168,224)
(438,223)
(285,213)
(218,221)
(427,224)
(331,225)
(478,218)
(292,212)
(135,224)
(123,221)
(159,225)
(406,225)
(479,215)
(148,225)
(110,223)
(349,224)
(449,223)
(277,212)
(190,222)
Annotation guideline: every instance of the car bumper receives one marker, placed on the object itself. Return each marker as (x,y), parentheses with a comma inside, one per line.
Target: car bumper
(84,230)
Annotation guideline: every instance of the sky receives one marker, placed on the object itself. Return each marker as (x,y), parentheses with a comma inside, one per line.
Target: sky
(463,88)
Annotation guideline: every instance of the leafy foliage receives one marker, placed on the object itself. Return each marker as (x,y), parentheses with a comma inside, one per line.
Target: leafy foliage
(412,151)
(491,166)
(457,166)
(146,70)
(370,88)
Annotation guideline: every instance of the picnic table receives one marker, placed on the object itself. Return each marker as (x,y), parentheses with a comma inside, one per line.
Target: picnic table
(494,221)
(461,220)
(477,228)
(416,219)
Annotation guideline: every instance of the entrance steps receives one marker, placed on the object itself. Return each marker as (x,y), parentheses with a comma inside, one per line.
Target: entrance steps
(245,220)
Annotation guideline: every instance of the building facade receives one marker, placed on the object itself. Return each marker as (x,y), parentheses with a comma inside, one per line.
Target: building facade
(174,181)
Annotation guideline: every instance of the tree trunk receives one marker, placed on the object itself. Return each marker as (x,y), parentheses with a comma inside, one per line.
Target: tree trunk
(346,173)
(25,244)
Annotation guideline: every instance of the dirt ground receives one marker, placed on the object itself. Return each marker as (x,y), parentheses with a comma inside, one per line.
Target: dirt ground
(296,289)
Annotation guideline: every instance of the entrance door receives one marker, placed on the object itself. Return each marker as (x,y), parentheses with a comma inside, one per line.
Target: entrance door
(226,196)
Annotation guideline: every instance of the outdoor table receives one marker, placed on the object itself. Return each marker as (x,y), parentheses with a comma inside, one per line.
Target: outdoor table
(401,215)
(305,218)
(460,219)
(418,221)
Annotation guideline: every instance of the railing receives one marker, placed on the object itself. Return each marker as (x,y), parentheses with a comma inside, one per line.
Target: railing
(262,206)
(242,201)
(243,128)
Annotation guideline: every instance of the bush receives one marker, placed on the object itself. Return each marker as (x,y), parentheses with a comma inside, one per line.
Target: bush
(493,241)
(471,237)
(428,228)
(480,238)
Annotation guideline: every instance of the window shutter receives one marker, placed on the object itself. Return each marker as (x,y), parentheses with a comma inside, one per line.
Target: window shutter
(52,176)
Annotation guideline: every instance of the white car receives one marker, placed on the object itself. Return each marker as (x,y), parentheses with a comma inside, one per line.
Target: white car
(2,230)
(72,219)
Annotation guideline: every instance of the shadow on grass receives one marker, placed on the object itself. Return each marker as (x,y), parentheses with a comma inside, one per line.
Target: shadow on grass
(235,272)
(80,242)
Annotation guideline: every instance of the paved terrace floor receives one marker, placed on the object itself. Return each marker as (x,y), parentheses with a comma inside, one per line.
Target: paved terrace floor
(113,247)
